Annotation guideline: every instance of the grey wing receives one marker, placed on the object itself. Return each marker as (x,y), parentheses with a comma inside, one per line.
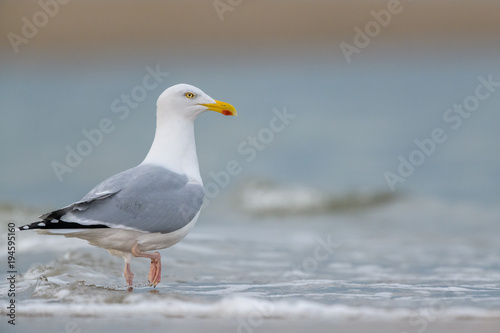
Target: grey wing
(147,198)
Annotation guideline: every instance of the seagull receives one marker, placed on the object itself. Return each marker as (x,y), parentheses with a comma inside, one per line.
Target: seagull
(151,206)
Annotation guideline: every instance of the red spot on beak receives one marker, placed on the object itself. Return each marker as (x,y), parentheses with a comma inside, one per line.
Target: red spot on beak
(226,112)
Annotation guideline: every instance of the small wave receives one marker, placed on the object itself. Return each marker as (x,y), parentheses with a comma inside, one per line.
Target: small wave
(268,198)
(139,305)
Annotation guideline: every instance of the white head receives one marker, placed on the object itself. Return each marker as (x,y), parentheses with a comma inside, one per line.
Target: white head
(188,102)
(174,143)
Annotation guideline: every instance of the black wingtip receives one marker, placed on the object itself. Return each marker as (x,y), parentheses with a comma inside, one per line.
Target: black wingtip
(32,225)
(57,224)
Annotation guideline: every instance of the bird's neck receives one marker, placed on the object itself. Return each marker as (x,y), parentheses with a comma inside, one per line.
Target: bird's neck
(174,147)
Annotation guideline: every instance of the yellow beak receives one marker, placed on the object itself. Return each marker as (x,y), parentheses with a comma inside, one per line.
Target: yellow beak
(221,107)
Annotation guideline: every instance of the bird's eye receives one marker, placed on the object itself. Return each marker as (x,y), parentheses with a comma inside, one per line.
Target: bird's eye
(189,95)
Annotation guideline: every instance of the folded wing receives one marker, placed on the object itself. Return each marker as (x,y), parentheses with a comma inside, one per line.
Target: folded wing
(147,198)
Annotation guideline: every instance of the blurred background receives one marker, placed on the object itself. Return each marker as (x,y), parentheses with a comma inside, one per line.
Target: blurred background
(360,101)
(369,126)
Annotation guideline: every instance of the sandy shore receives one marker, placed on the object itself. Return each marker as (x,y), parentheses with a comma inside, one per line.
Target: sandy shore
(162,324)
(79,26)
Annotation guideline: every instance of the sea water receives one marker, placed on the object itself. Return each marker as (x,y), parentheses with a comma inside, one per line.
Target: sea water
(308,227)
(413,259)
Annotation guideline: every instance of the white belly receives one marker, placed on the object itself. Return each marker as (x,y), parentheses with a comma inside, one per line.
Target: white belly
(122,240)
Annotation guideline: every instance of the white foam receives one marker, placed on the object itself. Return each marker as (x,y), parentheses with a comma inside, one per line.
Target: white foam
(237,307)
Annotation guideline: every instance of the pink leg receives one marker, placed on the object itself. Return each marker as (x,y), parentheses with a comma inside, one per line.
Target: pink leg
(154,276)
(129,276)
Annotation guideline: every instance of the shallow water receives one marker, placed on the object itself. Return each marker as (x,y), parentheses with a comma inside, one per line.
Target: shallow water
(412,260)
